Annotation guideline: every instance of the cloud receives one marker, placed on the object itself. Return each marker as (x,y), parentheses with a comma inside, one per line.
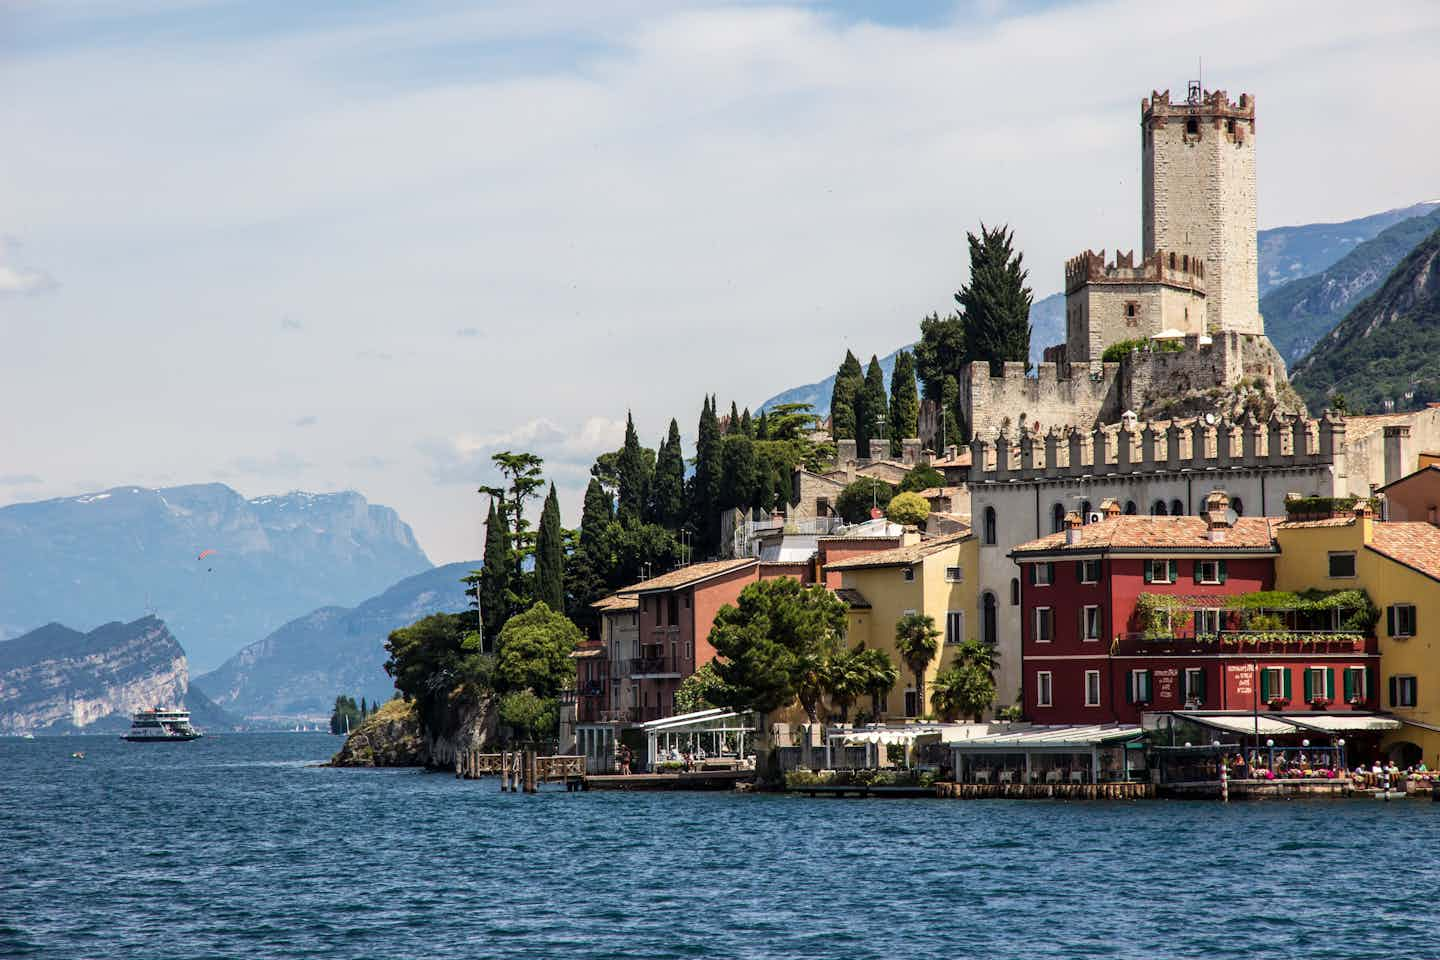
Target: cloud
(17,279)
(288,322)
(468,332)
(18,479)
(306,421)
(374,355)
(369,463)
(568,452)
(281,463)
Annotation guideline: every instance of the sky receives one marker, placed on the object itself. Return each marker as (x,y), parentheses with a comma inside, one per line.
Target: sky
(362,245)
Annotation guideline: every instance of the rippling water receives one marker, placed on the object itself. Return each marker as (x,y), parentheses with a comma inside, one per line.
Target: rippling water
(236,847)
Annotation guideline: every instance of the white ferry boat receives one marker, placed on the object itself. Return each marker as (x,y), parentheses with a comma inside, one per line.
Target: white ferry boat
(161,725)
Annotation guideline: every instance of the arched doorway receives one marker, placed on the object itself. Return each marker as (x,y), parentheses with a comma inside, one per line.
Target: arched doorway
(1177,509)
(1405,753)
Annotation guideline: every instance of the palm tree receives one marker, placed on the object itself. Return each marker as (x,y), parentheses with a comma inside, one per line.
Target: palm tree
(878,675)
(917,641)
(846,679)
(967,686)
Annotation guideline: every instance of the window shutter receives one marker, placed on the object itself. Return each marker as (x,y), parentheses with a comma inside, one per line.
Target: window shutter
(1195,570)
(1050,573)
(1130,688)
(1309,685)
(1079,571)
(1149,693)
(1285,679)
(1394,691)
(1264,684)
(1349,685)
(1224,574)
(1199,692)
(1390,620)
(1034,574)
(1415,620)
(1149,572)
(1174,571)
(1330,683)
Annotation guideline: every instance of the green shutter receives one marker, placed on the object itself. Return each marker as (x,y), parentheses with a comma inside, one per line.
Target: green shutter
(1224,575)
(1309,686)
(1285,677)
(1130,687)
(1330,683)
(1390,620)
(1264,685)
(1174,571)
(1349,684)
(1079,571)
(1195,570)
(1149,572)
(1394,691)
(1146,694)
(1199,692)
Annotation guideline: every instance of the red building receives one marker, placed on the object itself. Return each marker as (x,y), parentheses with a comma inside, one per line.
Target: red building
(1140,614)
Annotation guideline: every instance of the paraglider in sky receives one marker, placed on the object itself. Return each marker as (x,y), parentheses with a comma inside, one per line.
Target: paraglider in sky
(203,555)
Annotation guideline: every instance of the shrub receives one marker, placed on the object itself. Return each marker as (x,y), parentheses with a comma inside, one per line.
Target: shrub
(855,500)
(908,508)
(922,478)
(1118,351)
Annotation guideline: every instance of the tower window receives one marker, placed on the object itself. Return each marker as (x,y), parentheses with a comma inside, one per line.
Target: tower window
(1230,126)
(1132,310)
(1192,127)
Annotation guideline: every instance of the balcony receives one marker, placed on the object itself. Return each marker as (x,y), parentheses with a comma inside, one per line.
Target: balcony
(593,688)
(1242,642)
(1316,621)
(653,668)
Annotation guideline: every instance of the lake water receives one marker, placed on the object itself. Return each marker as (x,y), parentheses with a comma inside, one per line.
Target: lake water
(234,846)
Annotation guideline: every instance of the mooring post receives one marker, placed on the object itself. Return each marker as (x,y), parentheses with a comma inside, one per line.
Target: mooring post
(504,771)
(1224,781)
(530,769)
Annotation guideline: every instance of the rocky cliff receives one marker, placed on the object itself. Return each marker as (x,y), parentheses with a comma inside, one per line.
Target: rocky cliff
(131,550)
(60,680)
(392,737)
(298,670)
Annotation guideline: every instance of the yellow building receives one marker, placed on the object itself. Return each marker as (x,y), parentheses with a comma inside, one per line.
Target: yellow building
(1398,565)
(935,577)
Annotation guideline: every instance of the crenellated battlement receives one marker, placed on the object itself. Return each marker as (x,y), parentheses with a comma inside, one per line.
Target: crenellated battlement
(1130,448)
(1157,110)
(1179,270)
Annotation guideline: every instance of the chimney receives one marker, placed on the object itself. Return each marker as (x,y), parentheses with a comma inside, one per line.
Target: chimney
(1217,515)
(1365,512)
(1397,451)
(1073,524)
(1110,509)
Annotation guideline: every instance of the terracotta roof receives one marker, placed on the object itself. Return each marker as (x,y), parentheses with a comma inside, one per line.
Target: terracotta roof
(853,598)
(1159,533)
(616,602)
(1322,522)
(899,557)
(1417,545)
(961,459)
(688,575)
(929,493)
(586,653)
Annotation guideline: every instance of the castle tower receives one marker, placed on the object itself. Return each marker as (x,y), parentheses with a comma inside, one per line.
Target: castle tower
(1198,196)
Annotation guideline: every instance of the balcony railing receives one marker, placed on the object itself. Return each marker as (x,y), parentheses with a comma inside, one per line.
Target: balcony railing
(1245,641)
(654,666)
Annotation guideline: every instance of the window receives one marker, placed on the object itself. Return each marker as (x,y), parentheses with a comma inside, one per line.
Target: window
(1210,571)
(1192,127)
(1274,684)
(1130,508)
(1088,570)
(1238,506)
(1132,309)
(955,626)
(689,650)
(1138,690)
(1403,692)
(1044,619)
(1230,126)
(1042,688)
(1085,512)
(1092,688)
(990,532)
(1161,571)
(1193,683)
(1400,619)
(674,610)
(1157,509)
(989,619)
(1057,518)
(1042,574)
(1207,622)
(1177,509)
(1090,623)
(1342,565)
(911,703)
(954,575)
(1355,684)
(1319,684)
(1014,591)
(907,574)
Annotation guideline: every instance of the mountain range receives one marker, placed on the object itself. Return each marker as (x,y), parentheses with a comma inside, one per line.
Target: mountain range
(1288,256)
(298,670)
(130,550)
(58,680)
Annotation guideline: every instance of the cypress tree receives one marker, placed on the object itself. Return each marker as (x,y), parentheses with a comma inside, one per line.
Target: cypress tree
(550,555)
(996,301)
(870,410)
(364,710)
(737,472)
(733,424)
(667,489)
(495,578)
(630,473)
(950,434)
(762,427)
(849,379)
(705,487)
(904,402)
(747,426)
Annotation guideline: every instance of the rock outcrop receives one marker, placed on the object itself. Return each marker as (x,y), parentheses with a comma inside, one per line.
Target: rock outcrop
(392,737)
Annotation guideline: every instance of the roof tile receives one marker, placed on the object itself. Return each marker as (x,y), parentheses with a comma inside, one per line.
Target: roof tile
(1181,533)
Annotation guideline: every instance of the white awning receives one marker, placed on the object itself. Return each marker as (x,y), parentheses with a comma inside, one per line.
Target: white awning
(1347,723)
(708,721)
(1241,723)
(861,737)
(1040,737)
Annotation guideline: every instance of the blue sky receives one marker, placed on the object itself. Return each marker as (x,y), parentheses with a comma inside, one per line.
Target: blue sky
(363,245)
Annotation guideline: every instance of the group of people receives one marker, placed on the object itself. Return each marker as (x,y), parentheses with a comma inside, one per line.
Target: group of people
(1258,767)
(687,760)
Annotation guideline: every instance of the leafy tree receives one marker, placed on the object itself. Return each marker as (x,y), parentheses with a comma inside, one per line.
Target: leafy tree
(705,488)
(346,716)
(849,380)
(632,476)
(633,553)
(917,641)
(871,411)
(530,716)
(737,471)
(920,478)
(789,421)
(435,660)
(856,500)
(996,301)
(952,429)
(878,675)
(496,596)
(908,508)
(550,555)
(904,402)
(858,672)
(942,352)
(696,690)
(533,652)
(967,687)
(667,489)
(766,640)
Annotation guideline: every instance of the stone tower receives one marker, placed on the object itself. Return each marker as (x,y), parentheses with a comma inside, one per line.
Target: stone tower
(1198,196)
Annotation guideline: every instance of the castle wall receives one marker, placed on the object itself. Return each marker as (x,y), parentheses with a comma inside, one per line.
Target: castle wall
(1047,398)
(1107,313)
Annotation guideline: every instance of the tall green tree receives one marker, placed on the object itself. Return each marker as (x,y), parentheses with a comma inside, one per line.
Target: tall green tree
(667,488)
(732,423)
(871,412)
(705,487)
(747,425)
(737,471)
(904,402)
(996,301)
(917,641)
(533,652)
(942,352)
(849,380)
(521,473)
(762,426)
(587,568)
(632,476)
(861,496)
(966,688)
(550,555)
(952,427)
(495,591)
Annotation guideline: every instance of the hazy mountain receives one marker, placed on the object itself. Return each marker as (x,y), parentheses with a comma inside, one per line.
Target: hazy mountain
(131,550)
(298,670)
(1285,254)
(1301,312)
(58,680)
(1386,352)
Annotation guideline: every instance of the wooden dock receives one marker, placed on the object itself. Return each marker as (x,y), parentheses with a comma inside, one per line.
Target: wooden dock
(521,769)
(694,780)
(1045,791)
